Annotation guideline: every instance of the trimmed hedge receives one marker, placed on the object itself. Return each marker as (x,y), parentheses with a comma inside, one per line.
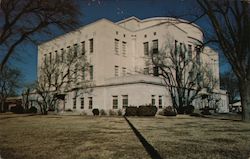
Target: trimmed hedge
(17,109)
(146,110)
(169,111)
(95,111)
(32,110)
(189,109)
(131,111)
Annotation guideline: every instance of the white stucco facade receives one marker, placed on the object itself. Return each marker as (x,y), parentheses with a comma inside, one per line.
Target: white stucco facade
(118,59)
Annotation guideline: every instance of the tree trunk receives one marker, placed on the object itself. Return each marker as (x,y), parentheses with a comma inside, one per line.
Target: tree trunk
(245,99)
(2,106)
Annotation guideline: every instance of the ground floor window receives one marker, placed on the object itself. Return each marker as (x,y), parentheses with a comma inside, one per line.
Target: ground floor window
(115,102)
(74,103)
(90,102)
(82,103)
(160,101)
(153,100)
(124,101)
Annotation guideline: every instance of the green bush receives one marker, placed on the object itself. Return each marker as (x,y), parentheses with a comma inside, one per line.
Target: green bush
(189,109)
(32,110)
(102,112)
(205,111)
(119,113)
(17,109)
(169,111)
(112,112)
(95,111)
(146,110)
(131,111)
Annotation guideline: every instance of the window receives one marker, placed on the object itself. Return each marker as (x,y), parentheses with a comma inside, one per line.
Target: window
(116,32)
(155,46)
(50,57)
(124,71)
(116,71)
(83,73)
(91,72)
(62,55)
(198,51)
(156,71)
(74,103)
(153,100)
(83,47)
(160,101)
(189,52)
(145,46)
(146,71)
(91,45)
(115,102)
(124,101)
(82,103)
(145,35)
(116,46)
(45,59)
(154,33)
(56,58)
(90,102)
(124,48)
(124,35)
(75,50)
(175,45)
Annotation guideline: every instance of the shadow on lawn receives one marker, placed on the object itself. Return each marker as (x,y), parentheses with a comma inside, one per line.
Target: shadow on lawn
(148,147)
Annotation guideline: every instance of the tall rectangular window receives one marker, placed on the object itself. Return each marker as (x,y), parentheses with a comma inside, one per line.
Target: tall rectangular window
(146,71)
(91,72)
(146,48)
(62,55)
(124,71)
(153,100)
(90,102)
(45,59)
(124,45)
(115,102)
(160,101)
(83,47)
(198,51)
(74,103)
(155,46)
(50,57)
(83,73)
(124,101)
(75,50)
(116,46)
(116,71)
(82,103)
(91,45)
(56,54)
(189,57)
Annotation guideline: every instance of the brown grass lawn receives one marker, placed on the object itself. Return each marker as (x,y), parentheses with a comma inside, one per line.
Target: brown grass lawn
(61,137)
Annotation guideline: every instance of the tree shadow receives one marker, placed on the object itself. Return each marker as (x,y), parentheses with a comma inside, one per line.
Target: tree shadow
(148,147)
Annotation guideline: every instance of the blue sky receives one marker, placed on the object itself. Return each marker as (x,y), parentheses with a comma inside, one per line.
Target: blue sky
(114,10)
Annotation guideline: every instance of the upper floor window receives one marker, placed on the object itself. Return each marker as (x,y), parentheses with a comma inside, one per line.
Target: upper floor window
(91,45)
(189,57)
(116,71)
(198,51)
(91,72)
(145,46)
(124,45)
(154,33)
(62,55)
(83,47)
(124,101)
(75,49)
(50,57)
(56,54)
(74,103)
(45,59)
(124,70)
(116,32)
(116,46)
(155,46)
(115,102)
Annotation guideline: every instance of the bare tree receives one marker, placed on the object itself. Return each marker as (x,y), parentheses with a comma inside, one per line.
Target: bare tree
(9,83)
(183,73)
(230,20)
(229,82)
(28,20)
(60,75)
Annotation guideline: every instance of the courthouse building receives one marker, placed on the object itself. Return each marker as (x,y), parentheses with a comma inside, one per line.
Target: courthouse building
(116,52)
